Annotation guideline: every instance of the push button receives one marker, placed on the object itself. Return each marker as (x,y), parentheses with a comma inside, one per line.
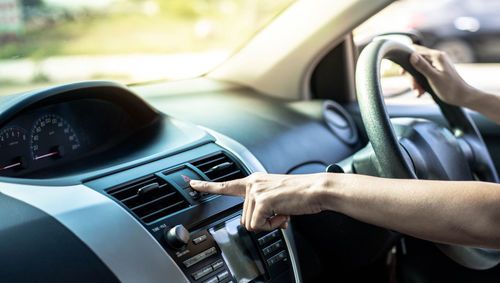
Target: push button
(277,258)
(182,177)
(199,239)
(218,264)
(212,280)
(194,195)
(202,272)
(269,237)
(199,257)
(223,275)
(271,248)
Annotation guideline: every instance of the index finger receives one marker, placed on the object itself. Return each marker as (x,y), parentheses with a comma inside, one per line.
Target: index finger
(229,188)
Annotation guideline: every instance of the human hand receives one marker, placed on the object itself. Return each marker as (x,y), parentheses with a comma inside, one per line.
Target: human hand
(437,67)
(270,199)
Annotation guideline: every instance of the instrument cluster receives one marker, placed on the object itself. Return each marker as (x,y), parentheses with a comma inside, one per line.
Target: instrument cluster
(54,138)
(49,139)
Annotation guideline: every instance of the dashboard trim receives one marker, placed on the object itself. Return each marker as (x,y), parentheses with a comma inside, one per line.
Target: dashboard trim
(77,205)
(253,165)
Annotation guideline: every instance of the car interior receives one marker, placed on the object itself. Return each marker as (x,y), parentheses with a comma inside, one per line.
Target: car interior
(94,177)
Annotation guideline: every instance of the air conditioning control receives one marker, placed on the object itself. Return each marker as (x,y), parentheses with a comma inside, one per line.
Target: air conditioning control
(177,237)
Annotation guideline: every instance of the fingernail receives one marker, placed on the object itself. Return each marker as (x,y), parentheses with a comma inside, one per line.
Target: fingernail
(194,182)
(414,58)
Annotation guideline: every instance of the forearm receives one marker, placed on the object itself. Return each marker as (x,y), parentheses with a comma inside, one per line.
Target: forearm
(485,103)
(464,213)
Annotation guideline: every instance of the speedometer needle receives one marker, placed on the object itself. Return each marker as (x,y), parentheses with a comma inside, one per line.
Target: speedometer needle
(10,166)
(46,155)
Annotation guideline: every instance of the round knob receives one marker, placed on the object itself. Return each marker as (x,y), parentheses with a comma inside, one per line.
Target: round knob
(177,237)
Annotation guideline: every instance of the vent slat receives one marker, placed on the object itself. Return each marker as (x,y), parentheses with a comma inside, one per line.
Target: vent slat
(136,195)
(151,204)
(159,212)
(219,167)
(211,161)
(118,191)
(222,178)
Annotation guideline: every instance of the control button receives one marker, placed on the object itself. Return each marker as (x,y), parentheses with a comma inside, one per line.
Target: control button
(212,280)
(277,258)
(177,237)
(182,177)
(202,272)
(218,264)
(182,253)
(199,257)
(269,237)
(272,247)
(194,195)
(199,239)
(223,275)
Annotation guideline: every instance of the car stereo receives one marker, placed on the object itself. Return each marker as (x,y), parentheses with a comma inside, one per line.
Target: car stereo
(225,251)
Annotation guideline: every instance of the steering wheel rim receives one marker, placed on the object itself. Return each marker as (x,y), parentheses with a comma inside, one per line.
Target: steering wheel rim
(387,148)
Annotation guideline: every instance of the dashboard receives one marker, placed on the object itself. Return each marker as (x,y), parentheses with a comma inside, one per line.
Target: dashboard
(95,185)
(78,125)
(51,136)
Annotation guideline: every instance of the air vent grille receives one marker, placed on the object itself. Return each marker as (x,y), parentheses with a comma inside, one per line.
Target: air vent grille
(149,198)
(219,167)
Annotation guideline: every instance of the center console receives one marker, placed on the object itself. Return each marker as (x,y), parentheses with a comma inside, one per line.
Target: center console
(200,232)
(224,251)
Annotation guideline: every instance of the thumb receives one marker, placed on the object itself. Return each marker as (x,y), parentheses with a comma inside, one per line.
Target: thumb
(422,65)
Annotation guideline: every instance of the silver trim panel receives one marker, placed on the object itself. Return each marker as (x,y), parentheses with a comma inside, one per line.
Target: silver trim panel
(118,239)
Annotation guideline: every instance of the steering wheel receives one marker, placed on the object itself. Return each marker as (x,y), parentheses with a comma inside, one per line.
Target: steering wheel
(417,148)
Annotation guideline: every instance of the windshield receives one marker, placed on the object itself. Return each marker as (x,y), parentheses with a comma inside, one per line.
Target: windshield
(48,42)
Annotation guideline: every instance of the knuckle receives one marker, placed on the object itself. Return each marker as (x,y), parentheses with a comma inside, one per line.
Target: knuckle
(441,55)
(252,178)
(255,177)
(222,186)
(261,199)
(204,185)
(248,188)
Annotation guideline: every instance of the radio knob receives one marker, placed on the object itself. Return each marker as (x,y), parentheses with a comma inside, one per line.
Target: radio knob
(177,237)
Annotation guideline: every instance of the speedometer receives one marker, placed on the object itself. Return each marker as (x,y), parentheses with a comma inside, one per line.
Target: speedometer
(13,150)
(52,137)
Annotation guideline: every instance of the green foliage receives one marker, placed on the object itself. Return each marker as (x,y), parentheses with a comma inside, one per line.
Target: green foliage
(32,3)
(40,77)
(170,29)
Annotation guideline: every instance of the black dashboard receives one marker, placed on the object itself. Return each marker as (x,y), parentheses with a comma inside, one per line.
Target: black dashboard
(70,126)
(95,160)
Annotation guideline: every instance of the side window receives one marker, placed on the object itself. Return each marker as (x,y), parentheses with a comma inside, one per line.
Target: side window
(467,30)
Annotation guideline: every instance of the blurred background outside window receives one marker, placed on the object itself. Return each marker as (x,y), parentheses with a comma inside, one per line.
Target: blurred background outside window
(48,42)
(468,30)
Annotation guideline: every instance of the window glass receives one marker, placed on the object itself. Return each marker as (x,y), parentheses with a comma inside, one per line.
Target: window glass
(47,42)
(467,30)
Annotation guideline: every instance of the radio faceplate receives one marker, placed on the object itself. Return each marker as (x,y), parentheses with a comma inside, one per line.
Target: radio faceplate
(224,251)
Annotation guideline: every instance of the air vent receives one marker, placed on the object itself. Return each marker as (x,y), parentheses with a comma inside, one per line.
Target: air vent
(219,167)
(150,198)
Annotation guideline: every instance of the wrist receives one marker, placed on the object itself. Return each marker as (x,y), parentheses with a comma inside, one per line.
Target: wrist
(473,97)
(331,193)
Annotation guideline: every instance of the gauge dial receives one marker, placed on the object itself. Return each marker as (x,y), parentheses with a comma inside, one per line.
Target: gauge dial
(52,137)
(13,150)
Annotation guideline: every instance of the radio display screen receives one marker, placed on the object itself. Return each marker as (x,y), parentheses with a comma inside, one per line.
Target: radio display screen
(236,245)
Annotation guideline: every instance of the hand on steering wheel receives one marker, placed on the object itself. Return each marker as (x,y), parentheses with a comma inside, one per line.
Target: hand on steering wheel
(396,160)
(444,79)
